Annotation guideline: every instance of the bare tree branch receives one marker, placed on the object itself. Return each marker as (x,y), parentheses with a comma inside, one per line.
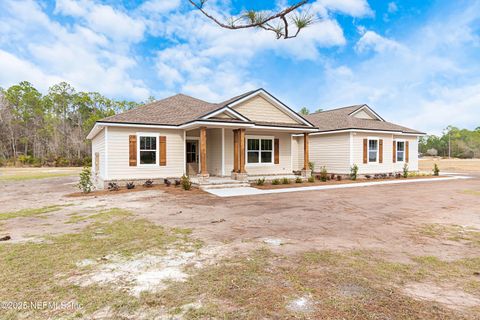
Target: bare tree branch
(256,19)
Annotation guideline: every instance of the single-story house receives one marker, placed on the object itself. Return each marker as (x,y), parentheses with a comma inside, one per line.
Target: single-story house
(250,135)
(358,135)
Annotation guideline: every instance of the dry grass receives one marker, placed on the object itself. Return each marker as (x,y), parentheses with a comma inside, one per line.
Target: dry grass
(344,285)
(464,234)
(450,165)
(23,174)
(38,271)
(29,212)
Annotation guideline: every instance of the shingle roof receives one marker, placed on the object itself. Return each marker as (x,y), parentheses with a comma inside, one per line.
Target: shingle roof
(341,119)
(180,109)
(174,110)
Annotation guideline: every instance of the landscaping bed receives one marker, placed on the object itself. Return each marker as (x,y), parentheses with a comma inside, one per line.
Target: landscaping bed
(105,192)
(293,184)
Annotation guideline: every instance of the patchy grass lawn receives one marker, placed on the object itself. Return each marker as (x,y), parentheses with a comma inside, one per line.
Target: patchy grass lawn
(40,271)
(451,232)
(93,268)
(23,174)
(316,285)
(29,212)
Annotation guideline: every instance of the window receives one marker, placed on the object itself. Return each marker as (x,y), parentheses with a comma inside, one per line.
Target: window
(372,150)
(192,153)
(148,150)
(259,150)
(400,151)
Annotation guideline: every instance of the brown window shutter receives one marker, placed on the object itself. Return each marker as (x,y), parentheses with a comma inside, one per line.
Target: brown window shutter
(276,156)
(407,149)
(132,150)
(365,150)
(394,154)
(380,151)
(163,150)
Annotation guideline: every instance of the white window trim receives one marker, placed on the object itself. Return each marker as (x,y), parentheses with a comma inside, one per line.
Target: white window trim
(259,164)
(157,155)
(368,149)
(396,149)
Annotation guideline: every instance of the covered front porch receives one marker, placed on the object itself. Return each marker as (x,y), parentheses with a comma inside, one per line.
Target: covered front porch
(215,154)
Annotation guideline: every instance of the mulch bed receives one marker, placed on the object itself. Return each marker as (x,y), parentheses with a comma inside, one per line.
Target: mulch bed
(172,189)
(292,183)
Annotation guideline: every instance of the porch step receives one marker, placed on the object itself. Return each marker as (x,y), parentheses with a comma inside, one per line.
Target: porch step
(238,184)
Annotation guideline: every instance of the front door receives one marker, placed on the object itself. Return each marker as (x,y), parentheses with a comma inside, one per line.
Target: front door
(192,157)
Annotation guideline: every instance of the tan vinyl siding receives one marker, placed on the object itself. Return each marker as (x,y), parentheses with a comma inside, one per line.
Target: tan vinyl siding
(98,145)
(285,165)
(118,167)
(297,153)
(228,151)
(331,151)
(259,109)
(214,151)
(371,168)
(413,154)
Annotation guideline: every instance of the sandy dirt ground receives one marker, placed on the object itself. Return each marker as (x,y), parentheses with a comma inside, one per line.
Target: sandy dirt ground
(384,219)
(380,218)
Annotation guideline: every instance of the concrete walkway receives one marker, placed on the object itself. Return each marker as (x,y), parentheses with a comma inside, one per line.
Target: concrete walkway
(250,191)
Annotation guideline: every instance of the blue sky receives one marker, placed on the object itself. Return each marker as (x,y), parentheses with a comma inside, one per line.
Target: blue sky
(414,62)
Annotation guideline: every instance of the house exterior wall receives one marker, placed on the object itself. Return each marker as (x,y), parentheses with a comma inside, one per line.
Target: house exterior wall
(214,151)
(118,155)
(387,165)
(259,109)
(228,144)
(98,145)
(331,151)
(285,159)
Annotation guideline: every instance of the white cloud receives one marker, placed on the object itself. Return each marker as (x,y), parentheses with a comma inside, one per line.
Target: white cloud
(158,6)
(86,58)
(15,70)
(221,59)
(354,8)
(371,40)
(427,80)
(392,7)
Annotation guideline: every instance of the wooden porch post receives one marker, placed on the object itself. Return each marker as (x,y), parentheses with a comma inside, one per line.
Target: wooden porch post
(203,151)
(235,151)
(305,152)
(242,150)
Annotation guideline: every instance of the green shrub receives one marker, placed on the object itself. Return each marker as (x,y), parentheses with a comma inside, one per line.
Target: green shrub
(311,166)
(323,174)
(260,182)
(298,180)
(276,182)
(436,170)
(405,170)
(186,183)
(85,184)
(311,179)
(285,181)
(61,162)
(354,172)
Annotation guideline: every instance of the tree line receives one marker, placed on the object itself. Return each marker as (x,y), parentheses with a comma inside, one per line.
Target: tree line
(454,142)
(50,129)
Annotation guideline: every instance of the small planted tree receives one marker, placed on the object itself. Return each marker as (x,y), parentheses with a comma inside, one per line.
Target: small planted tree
(186,183)
(85,184)
(405,170)
(323,174)
(354,172)
(436,170)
